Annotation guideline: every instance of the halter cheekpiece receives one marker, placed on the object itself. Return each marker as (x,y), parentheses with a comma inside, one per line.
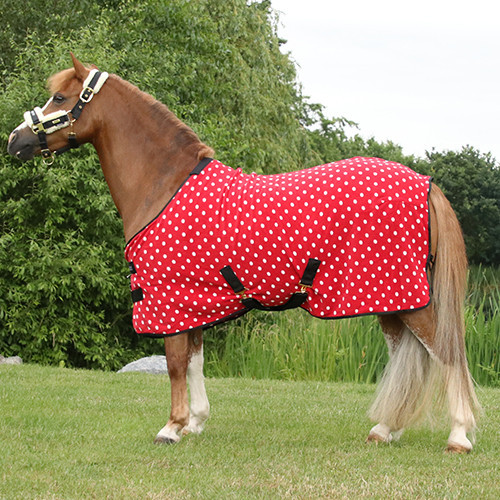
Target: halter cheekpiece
(41,124)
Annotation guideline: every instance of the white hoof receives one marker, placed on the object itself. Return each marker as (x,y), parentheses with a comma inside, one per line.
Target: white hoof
(396,435)
(167,435)
(380,434)
(458,442)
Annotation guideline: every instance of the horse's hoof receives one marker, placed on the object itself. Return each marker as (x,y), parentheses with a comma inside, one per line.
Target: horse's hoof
(167,436)
(164,440)
(396,435)
(457,448)
(194,427)
(379,434)
(375,438)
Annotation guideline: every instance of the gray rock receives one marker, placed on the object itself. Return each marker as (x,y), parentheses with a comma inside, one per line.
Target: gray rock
(153,364)
(14,360)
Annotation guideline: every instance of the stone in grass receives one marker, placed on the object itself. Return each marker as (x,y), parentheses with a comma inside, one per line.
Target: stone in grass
(14,360)
(152,364)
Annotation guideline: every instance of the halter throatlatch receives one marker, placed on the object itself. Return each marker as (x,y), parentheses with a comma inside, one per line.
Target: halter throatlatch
(42,125)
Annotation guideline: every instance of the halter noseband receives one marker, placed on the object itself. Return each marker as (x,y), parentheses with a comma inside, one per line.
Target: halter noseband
(41,124)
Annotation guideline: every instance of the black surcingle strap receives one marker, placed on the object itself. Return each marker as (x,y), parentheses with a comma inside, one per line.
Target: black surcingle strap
(296,300)
(310,272)
(233,281)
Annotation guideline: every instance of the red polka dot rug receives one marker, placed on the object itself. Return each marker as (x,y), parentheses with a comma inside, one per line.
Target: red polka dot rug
(343,239)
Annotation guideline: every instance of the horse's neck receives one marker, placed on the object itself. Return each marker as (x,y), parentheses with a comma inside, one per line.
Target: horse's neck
(141,155)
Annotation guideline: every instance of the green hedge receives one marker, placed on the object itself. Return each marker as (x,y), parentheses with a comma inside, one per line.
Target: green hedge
(64,297)
(218,65)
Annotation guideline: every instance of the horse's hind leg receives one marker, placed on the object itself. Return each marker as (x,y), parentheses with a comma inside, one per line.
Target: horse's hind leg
(451,380)
(384,431)
(199,406)
(177,353)
(421,374)
(429,364)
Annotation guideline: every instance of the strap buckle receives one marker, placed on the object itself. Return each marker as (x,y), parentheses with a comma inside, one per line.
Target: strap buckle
(87,94)
(37,127)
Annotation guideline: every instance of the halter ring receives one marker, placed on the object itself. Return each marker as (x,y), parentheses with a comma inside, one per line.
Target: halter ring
(48,157)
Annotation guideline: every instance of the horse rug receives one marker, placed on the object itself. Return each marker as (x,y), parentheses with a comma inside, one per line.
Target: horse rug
(342,239)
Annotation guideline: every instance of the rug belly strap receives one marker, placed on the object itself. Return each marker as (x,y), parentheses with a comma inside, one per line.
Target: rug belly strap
(296,300)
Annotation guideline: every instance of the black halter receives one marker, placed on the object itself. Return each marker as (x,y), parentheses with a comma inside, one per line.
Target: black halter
(42,125)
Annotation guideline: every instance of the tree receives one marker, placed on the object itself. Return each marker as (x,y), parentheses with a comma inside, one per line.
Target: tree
(471,181)
(64,297)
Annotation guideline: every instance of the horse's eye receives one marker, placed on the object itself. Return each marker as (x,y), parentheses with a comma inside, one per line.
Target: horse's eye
(58,99)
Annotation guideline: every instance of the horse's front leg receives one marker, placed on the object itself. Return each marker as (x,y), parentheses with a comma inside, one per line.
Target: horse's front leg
(177,353)
(199,406)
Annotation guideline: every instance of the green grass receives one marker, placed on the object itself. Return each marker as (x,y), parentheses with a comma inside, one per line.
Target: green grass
(67,434)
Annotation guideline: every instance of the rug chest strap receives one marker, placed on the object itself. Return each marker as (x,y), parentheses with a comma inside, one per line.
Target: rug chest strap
(138,293)
(296,300)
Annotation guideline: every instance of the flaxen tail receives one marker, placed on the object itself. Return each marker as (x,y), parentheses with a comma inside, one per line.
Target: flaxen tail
(424,374)
(449,281)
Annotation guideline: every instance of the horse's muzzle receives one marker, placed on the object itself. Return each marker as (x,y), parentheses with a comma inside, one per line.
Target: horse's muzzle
(22,144)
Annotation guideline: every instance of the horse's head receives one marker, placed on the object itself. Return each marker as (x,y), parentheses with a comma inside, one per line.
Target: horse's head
(57,126)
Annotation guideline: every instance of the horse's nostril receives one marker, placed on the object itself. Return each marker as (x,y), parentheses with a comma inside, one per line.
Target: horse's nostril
(12,137)
(10,144)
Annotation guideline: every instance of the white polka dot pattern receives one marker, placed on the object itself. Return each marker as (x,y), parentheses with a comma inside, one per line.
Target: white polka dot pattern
(365,219)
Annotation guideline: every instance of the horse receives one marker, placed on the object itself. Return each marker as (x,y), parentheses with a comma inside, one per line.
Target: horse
(147,155)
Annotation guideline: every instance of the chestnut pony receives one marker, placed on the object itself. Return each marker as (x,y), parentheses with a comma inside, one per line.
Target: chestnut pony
(146,153)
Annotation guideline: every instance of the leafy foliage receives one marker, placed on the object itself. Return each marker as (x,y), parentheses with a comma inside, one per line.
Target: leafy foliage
(217,64)
(471,181)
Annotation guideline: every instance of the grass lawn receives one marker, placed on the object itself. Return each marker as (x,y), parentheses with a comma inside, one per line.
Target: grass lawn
(69,434)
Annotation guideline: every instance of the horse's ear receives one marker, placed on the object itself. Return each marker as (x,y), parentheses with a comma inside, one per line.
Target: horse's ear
(81,71)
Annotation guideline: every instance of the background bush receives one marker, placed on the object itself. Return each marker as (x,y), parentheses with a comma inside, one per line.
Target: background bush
(217,64)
